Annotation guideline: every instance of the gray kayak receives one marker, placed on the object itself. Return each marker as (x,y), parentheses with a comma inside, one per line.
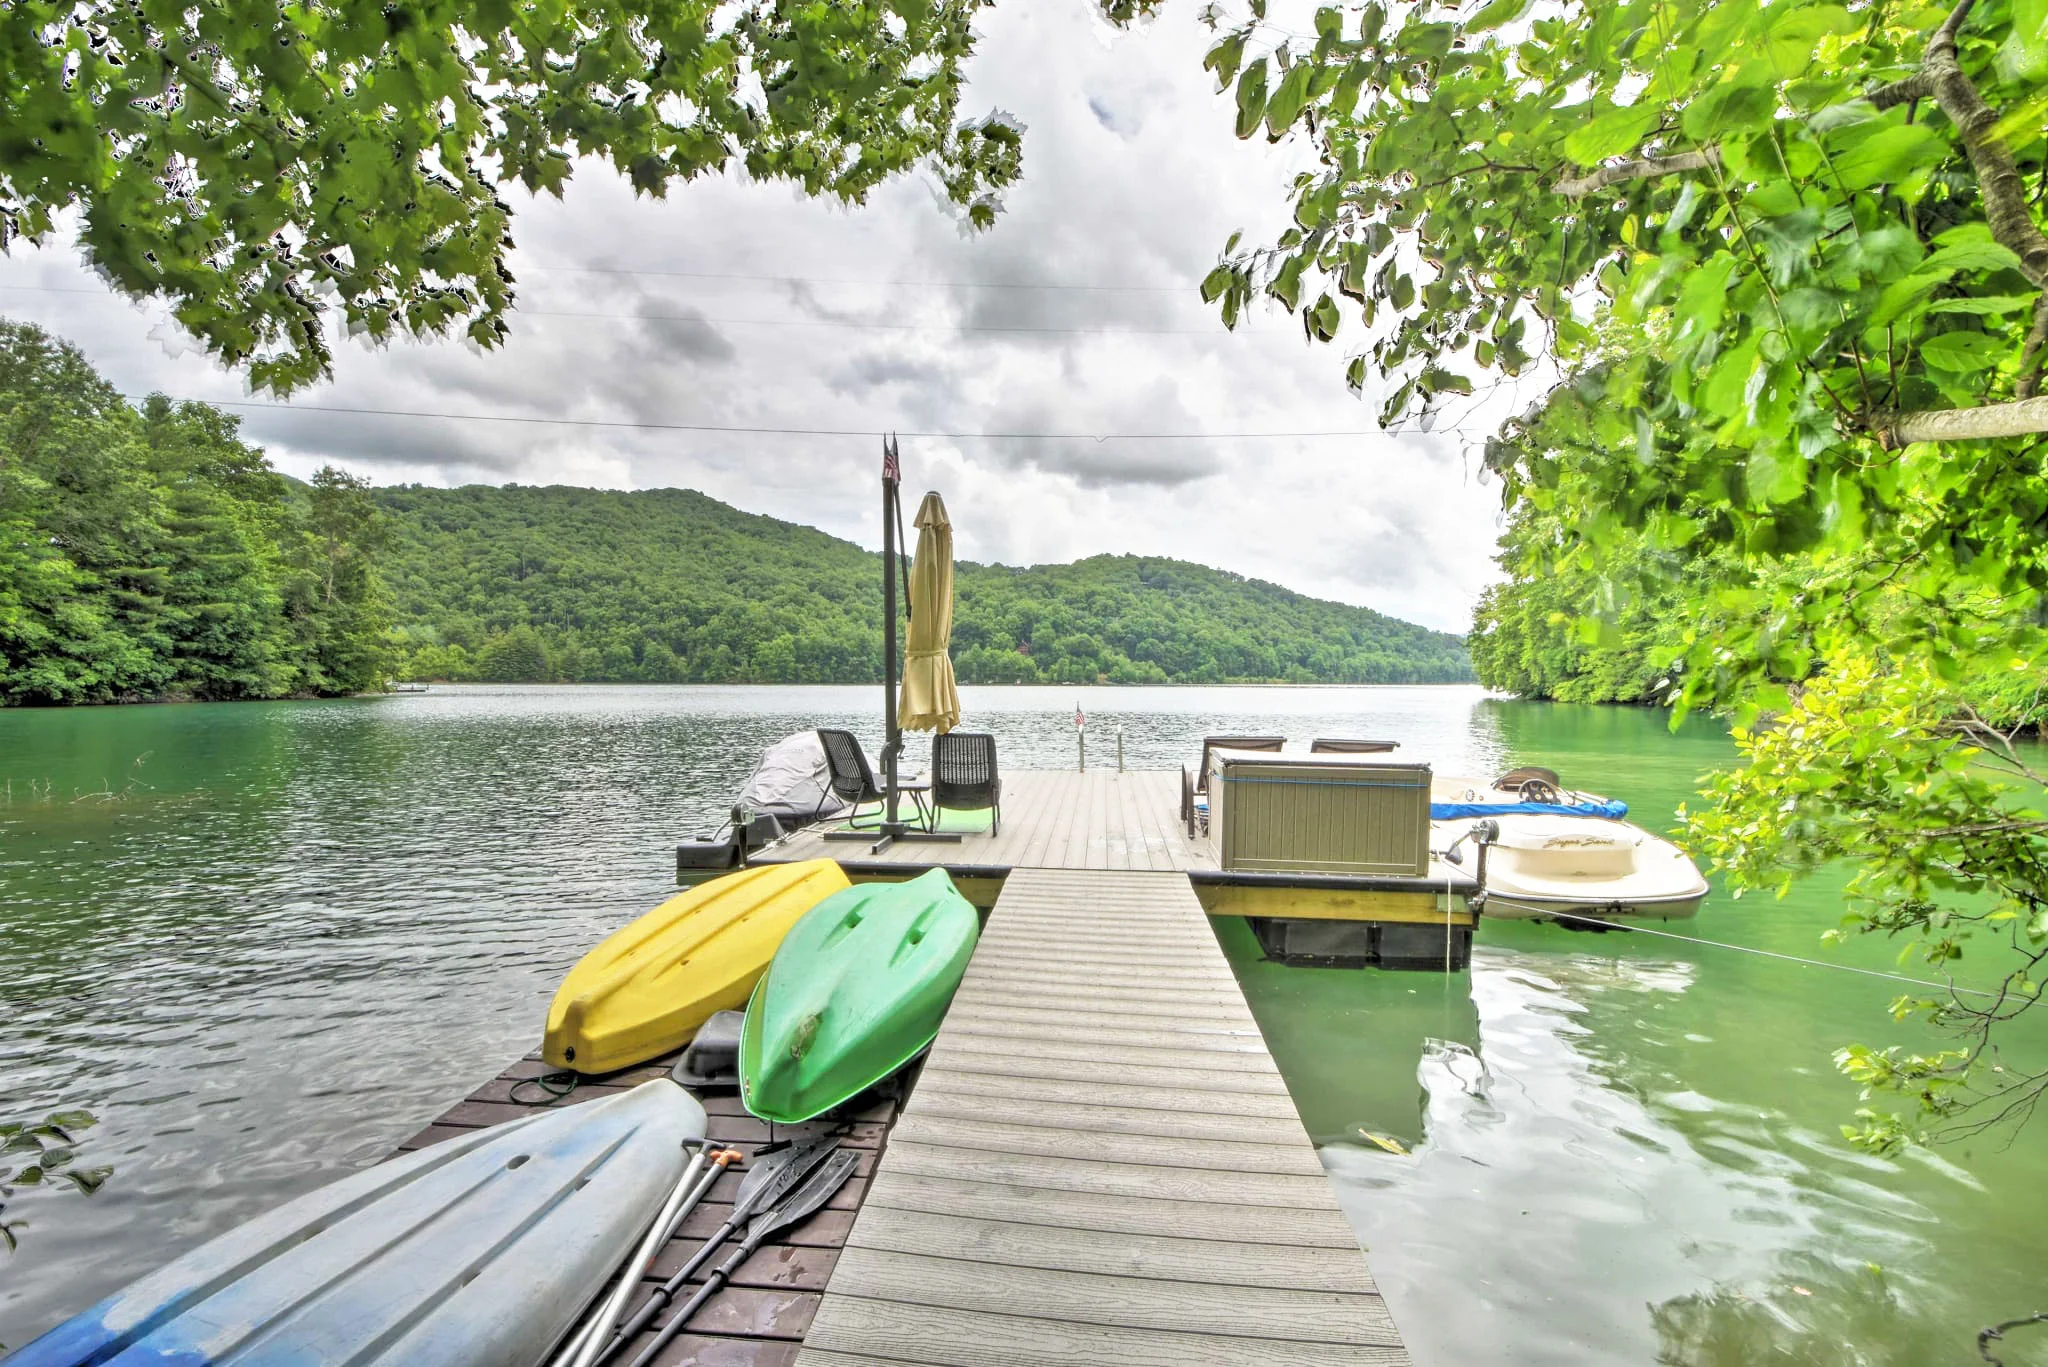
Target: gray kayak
(478,1252)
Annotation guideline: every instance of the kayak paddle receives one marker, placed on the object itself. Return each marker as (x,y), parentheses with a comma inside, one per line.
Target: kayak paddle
(803,1202)
(772,1174)
(583,1347)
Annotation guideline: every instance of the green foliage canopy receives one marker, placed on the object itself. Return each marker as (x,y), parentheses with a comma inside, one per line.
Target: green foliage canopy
(148,552)
(259,165)
(1817,220)
(1787,255)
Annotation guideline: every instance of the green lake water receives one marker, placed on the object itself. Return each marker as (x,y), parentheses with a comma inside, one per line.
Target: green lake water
(266,942)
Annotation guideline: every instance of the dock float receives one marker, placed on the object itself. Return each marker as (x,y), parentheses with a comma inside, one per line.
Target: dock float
(1100,1163)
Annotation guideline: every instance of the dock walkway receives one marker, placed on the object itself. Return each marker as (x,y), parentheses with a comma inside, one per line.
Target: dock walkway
(1100,1163)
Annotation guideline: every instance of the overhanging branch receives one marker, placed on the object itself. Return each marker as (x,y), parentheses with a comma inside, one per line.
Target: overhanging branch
(1645,168)
(1916,87)
(1998,177)
(2019,418)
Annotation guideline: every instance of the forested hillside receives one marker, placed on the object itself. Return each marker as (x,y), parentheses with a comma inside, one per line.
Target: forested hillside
(147,552)
(669,585)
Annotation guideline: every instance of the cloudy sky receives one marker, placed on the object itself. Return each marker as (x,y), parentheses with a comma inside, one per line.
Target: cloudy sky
(733,304)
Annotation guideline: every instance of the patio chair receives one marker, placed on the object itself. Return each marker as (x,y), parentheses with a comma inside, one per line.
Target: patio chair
(855,784)
(1273,743)
(964,775)
(1326,745)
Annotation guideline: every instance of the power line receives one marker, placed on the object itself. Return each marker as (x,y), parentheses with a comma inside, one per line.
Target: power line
(879,284)
(786,431)
(700,320)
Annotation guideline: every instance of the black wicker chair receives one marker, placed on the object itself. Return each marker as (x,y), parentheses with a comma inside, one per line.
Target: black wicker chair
(854,781)
(964,775)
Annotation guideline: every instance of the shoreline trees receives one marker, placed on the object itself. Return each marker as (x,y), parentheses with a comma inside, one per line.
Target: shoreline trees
(147,552)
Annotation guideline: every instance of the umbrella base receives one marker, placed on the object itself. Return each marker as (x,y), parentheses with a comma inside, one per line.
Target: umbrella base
(892,831)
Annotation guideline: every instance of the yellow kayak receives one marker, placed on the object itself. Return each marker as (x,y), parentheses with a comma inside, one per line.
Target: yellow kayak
(647,987)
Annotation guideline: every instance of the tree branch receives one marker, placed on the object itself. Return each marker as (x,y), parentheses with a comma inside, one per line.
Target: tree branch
(1914,87)
(2019,418)
(1998,177)
(1646,168)
(2030,354)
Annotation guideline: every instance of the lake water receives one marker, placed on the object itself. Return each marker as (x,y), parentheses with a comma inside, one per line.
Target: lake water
(266,942)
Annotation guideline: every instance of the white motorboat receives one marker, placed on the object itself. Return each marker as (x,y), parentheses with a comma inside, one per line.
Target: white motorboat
(1561,852)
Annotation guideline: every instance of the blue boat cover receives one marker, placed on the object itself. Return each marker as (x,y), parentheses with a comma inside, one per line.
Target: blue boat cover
(1458,811)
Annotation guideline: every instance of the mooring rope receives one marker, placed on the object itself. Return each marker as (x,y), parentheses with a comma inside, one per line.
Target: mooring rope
(1774,954)
(550,1084)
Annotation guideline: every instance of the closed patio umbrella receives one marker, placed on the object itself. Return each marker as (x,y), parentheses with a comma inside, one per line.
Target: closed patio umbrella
(929,699)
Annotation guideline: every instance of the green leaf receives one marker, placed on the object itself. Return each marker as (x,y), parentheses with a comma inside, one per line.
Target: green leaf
(1225,58)
(2026,51)
(1610,134)
(1902,298)
(1884,156)
(89,1180)
(1286,282)
(1287,102)
(1992,305)
(1971,252)
(1963,351)
(1251,99)
(1498,12)
(1728,108)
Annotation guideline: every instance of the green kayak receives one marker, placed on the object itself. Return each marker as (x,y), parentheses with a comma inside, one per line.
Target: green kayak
(856,991)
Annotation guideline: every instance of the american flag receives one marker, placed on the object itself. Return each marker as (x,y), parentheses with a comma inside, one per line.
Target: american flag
(891,470)
(1080,722)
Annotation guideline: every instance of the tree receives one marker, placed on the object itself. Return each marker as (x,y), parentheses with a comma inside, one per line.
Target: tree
(516,657)
(261,167)
(148,552)
(1814,225)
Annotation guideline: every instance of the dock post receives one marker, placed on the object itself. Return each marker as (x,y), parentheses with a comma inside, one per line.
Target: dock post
(1119,749)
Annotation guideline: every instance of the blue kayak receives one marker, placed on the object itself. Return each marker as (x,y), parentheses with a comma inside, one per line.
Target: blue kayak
(478,1252)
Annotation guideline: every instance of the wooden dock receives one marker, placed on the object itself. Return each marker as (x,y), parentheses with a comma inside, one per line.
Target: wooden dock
(1100,1163)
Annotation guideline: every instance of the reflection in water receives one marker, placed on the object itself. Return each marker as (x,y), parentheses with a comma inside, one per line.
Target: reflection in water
(310,927)
(1816,1315)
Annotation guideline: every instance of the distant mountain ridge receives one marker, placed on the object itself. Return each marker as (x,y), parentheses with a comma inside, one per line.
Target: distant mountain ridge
(670,585)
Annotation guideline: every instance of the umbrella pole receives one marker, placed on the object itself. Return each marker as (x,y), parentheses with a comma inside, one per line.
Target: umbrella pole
(892,744)
(893,828)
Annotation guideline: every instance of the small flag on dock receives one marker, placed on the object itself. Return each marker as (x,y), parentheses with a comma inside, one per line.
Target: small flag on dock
(1080,722)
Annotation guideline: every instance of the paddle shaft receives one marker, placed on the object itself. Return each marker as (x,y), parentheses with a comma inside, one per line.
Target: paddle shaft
(688,1193)
(803,1160)
(712,1285)
(666,1292)
(800,1204)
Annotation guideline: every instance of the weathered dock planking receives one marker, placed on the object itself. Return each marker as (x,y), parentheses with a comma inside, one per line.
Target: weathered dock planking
(759,1320)
(1150,1198)
(1109,820)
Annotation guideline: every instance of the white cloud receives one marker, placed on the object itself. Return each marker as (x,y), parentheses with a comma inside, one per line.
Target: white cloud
(1133,180)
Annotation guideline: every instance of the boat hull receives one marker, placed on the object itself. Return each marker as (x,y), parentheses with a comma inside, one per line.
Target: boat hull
(1546,866)
(857,990)
(481,1251)
(645,989)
